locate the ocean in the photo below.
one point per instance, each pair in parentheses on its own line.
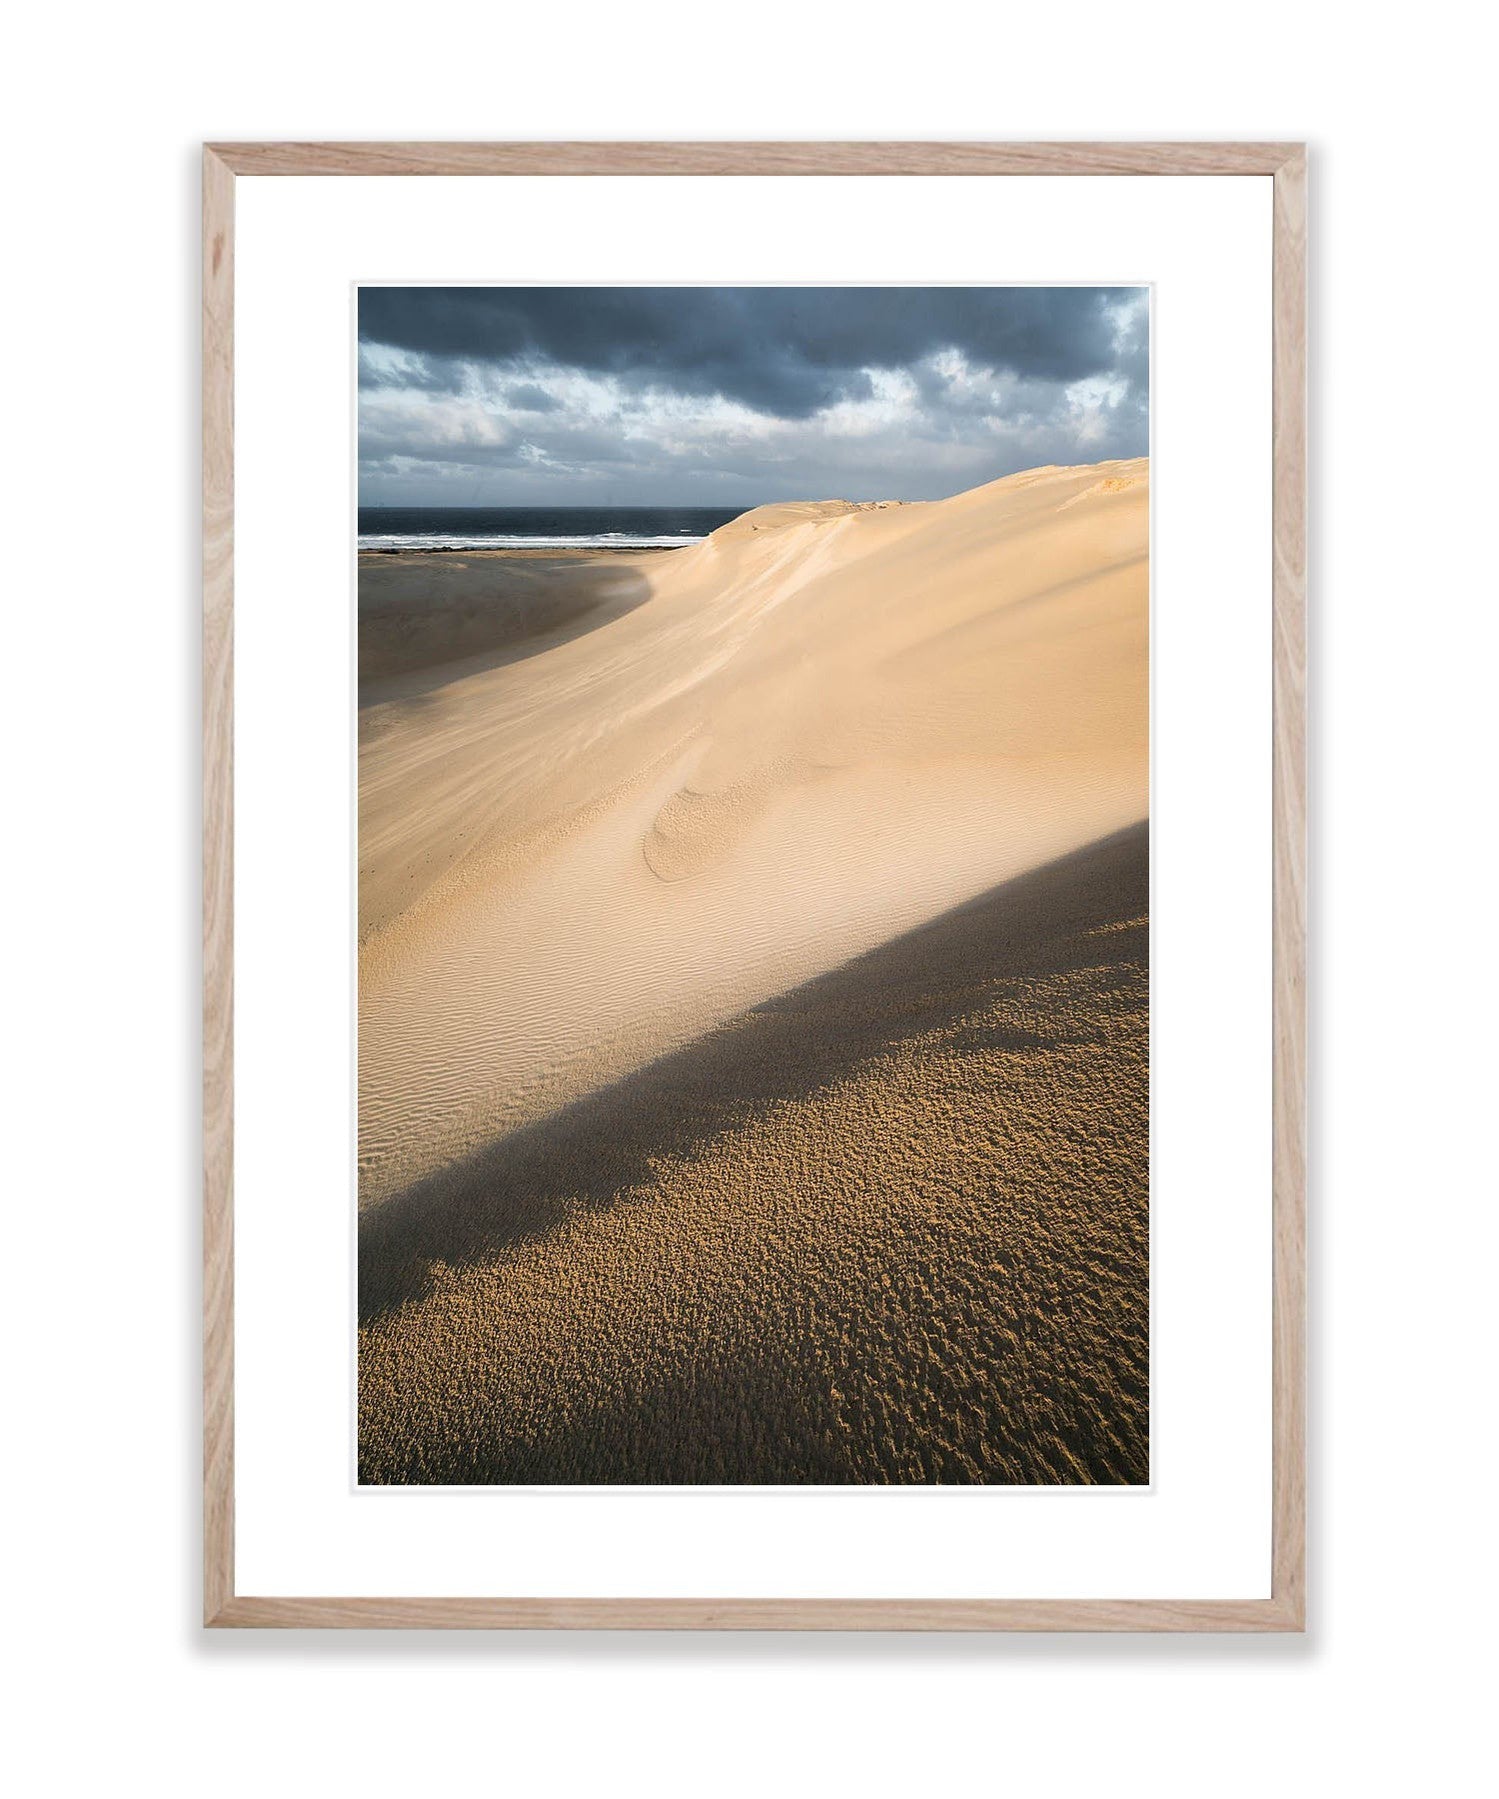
(538,527)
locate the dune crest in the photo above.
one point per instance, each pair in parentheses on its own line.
(826,725)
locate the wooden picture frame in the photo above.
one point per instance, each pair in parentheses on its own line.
(1285,163)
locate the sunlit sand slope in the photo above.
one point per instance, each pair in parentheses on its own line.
(890,1226)
(822,728)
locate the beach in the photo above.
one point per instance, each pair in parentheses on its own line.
(753,999)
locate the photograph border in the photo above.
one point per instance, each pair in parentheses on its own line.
(1285,1608)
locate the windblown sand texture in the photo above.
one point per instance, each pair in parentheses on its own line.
(753,1000)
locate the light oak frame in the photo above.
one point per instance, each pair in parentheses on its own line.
(1285,163)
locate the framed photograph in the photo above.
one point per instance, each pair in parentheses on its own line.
(754,804)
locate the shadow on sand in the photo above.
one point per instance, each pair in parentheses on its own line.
(606,1145)
(424,620)
(891,1226)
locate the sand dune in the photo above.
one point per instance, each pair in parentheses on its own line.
(891,1226)
(818,730)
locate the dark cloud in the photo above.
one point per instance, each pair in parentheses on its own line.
(790,352)
(642,396)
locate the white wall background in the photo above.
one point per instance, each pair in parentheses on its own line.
(112,1680)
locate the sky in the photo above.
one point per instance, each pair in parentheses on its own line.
(681,396)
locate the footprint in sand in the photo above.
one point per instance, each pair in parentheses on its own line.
(694,831)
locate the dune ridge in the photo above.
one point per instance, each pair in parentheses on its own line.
(823,727)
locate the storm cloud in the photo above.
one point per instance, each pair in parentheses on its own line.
(736,395)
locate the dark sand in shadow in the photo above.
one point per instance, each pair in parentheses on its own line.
(424,619)
(890,1227)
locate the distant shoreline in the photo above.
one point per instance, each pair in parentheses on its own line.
(558,552)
